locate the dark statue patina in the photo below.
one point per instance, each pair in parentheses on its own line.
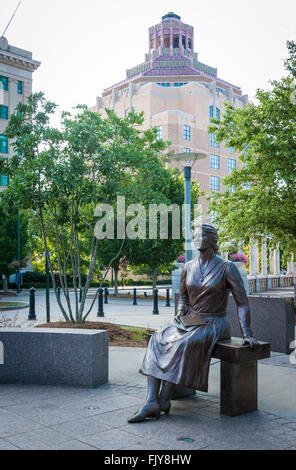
(181,353)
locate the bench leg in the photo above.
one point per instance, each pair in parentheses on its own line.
(239,387)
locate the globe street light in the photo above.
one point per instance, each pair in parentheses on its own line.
(189,159)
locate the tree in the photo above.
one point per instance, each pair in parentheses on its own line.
(8,239)
(156,255)
(62,175)
(261,199)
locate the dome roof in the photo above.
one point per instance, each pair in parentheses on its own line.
(171,14)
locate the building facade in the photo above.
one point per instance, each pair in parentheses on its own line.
(178,94)
(16,71)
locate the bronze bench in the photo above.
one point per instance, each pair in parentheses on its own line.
(238,376)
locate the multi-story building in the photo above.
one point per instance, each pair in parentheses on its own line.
(16,70)
(178,94)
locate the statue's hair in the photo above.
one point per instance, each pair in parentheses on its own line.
(213,235)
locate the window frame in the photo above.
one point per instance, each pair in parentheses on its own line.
(3,139)
(3,107)
(213,180)
(214,161)
(6,80)
(230,165)
(187,132)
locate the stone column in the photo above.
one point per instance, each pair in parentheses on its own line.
(291,266)
(180,40)
(264,259)
(254,259)
(271,261)
(277,266)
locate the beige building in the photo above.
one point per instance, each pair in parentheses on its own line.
(16,70)
(178,94)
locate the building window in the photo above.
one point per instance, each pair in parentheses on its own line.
(211,112)
(186,132)
(213,141)
(231,164)
(186,150)
(20,87)
(159,132)
(3,83)
(3,112)
(215,162)
(3,144)
(217,113)
(215,183)
(4,180)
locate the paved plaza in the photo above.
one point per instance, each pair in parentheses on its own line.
(49,417)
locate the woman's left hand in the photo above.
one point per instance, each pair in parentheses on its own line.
(251,341)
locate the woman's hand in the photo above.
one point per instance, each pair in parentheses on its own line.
(250,341)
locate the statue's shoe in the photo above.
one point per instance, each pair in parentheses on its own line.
(165,406)
(151,410)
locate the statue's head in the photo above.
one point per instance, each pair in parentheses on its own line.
(205,236)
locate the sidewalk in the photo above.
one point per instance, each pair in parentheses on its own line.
(43,417)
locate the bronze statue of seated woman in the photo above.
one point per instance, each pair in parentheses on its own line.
(181,353)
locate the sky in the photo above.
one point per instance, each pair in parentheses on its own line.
(86,46)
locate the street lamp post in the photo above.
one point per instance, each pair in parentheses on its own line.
(189,159)
(18,252)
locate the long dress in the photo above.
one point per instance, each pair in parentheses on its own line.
(181,355)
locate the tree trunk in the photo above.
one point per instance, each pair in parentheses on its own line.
(154,278)
(116,281)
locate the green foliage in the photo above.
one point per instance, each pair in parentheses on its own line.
(263,203)
(62,175)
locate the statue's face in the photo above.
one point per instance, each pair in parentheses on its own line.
(201,239)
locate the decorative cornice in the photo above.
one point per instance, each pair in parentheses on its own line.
(18,61)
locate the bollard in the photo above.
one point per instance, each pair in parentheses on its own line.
(100,304)
(106,293)
(155,302)
(32,314)
(168,298)
(135,297)
(80,295)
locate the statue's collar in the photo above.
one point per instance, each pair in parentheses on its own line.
(210,265)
